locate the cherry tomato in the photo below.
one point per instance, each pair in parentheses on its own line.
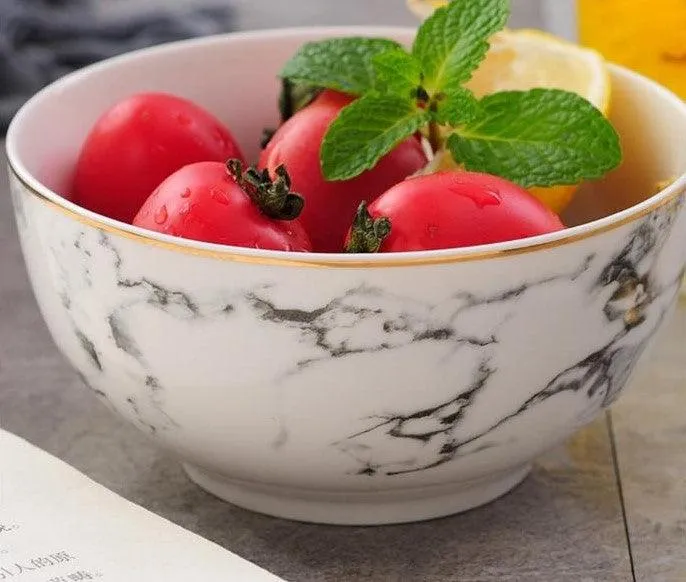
(329,206)
(138,143)
(448,210)
(221,203)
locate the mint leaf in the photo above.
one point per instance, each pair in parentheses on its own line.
(344,64)
(365,131)
(457,107)
(397,72)
(452,42)
(540,137)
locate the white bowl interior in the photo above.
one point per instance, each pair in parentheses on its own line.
(654,148)
(235,77)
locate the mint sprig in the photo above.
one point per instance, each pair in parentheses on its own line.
(541,137)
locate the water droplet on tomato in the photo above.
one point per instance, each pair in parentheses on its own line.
(220,196)
(493,195)
(161,215)
(218,134)
(183,119)
(186,193)
(432,230)
(482,197)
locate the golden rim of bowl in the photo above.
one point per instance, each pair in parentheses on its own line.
(669,195)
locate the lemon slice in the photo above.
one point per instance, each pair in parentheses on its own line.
(525,58)
(424,8)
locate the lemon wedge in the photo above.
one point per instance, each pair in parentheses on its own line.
(424,8)
(525,58)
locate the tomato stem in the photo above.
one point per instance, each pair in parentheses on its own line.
(434,136)
(267,135)
(422,96)
(435,140)
(294,97)
(272,196)
(367,233)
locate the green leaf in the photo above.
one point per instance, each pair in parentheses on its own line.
(397,72)
(456,108)
(452,42)
(541,137)
(344,64)
(365,131)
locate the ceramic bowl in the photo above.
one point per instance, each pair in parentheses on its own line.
(339,388)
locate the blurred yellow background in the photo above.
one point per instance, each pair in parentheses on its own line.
(648,36)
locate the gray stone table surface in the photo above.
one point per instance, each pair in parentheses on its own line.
(609,505)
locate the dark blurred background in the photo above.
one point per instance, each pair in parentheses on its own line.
(41,40)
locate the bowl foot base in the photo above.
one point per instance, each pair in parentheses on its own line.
(357,507)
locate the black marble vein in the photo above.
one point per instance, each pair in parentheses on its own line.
(90,386)
(424,425)
(159,296)
(395,330)
(88,347)
(140,418)
(122,338)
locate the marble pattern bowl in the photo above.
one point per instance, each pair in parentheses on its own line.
(334,388)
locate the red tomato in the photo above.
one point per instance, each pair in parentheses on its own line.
(138,143)
(208,201)
(449,210)
(330,206)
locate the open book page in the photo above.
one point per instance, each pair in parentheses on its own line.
(56,525)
